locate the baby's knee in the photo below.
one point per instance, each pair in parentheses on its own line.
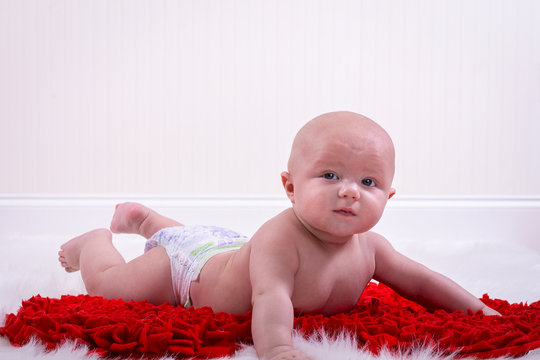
(102,284)
(102,234)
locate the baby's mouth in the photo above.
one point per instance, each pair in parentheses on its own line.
(345,212)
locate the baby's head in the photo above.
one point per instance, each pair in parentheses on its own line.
(340,174)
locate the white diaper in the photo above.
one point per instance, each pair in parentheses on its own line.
(189,248)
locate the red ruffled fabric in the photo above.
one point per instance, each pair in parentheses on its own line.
(380,319)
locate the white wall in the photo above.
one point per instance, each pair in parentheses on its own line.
(204,97)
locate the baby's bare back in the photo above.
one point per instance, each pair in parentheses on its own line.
(328,279)
(223,283)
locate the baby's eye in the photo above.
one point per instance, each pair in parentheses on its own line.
(368,182)
(330,176)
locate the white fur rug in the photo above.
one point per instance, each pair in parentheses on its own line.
(505,271)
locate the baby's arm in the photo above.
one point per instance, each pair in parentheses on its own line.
(273,264)
(420,284)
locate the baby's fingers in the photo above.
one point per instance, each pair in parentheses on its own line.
(489,311)
(291,355)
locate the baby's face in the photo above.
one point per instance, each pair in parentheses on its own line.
(341,182)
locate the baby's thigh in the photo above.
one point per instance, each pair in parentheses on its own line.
(147,277)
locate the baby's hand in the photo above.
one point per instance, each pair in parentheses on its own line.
(289,355)
(489,311)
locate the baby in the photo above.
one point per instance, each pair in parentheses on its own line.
(315,257)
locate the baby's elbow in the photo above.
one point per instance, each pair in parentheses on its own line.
(261,294)
(256,295)
(269,296)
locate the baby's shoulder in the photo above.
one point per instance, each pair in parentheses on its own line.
(282,228)
(372,240)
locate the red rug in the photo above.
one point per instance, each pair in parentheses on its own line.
(380,319)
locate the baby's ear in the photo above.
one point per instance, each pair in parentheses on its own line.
(286,180)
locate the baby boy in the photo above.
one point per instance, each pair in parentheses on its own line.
(315,257)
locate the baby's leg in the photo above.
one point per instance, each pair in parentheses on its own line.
(134,218)
(105,272)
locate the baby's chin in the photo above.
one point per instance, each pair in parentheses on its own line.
(349,233)
(346,230)
(331,231)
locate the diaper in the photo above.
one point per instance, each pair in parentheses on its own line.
(189,248)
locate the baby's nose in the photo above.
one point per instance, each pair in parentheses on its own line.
(349,190)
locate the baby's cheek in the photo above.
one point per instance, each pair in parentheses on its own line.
(374,216)
(310,213)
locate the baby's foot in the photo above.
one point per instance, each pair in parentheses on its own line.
(128,218)
(70,252)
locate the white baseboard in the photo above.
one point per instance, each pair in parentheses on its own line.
(507,219)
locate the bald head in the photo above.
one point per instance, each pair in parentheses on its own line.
(350,127)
